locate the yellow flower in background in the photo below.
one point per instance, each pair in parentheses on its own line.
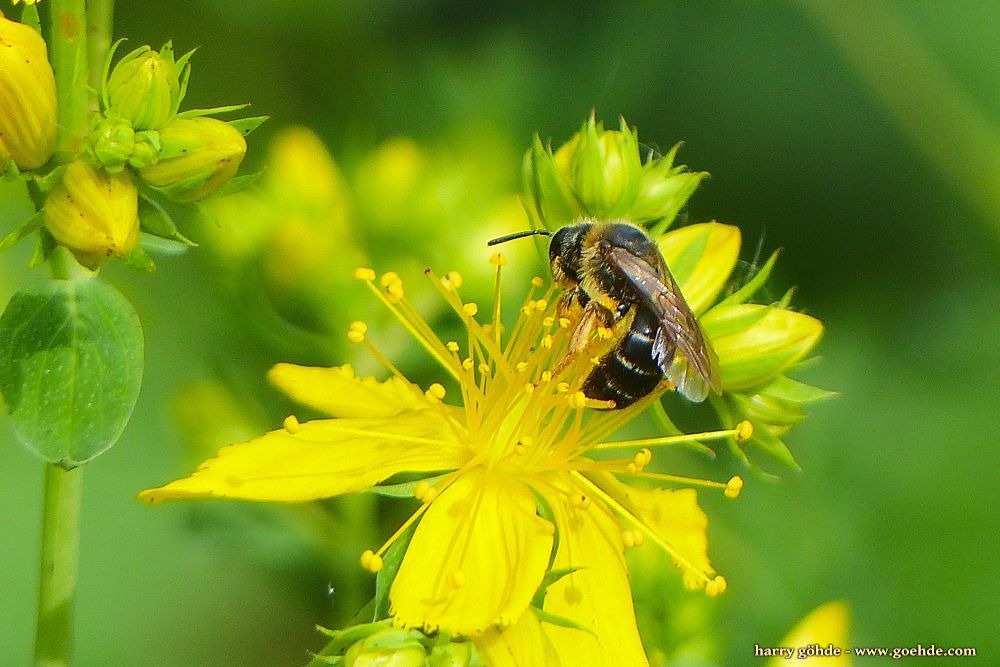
(525,478)
(827,624)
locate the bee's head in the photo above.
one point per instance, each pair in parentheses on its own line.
(566,252)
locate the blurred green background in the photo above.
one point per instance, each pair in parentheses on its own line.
(862,137)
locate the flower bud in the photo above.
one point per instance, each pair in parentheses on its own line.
(755,343)
(144,88)
(27,96)
(93,213)
(604,169)
(455,654)
(198,156)
(113,141)
(392,647)
(146,150)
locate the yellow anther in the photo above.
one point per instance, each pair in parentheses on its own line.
(580,501)
(467,363)
(734,486)
(578,400)
(452,280)
(546,376)
(456,579)
(548,321)
(564,322)
(484,368)
(562,387)
(547,342)
(744,431)
(358,325)
(631,469)
(389,278)
(604,333)
(541,304)
(498,259)
(371,561)
(452,346)
(420,489)
(520,366)
(520,449)
(537,281)
(292,424)
(529,388)
(716,586)
(364,273)
(526,308)
(395,289)
(628,538)
(470,309)
(642,458)
(435,392)
(356,336)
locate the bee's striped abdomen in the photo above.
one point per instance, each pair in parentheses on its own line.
(628,372)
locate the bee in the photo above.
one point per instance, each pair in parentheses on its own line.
(610,271)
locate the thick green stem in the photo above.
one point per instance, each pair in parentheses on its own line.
(59,565)
(99,21)
(68,52)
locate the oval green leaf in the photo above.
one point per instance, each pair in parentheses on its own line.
(70,367)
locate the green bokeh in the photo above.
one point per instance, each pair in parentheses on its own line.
(888,247)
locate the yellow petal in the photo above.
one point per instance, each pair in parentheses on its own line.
(827,624)
(476,559)
(700,258)
(597,596)
(524,643)
(774,340)
(338,393)
(322,458)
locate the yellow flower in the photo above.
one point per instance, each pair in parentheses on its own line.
(27,96)
(519,478)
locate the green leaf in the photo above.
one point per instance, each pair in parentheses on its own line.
(70,367)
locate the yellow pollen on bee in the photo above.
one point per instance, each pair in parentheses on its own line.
(562,388)
(546,376)
(520,366)
(734,486)
(604,333)
(716,586)
(578,400)
(581,501)
(564,322)
(498,259)
(467,363)
(291,424)
(435,392)
(470,309)
(456,579)
(452,346)
(547,342)
(744,431)
(364,273)
(371,561)
(595,360)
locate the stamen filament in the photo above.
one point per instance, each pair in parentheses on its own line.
(668,440)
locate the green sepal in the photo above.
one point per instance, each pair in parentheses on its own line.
(720,321)
(247,125)
(29,17)
(403,489)
(787,389)
(239,183)
(10,171)
(229,108)
(106,73)
(181,187)
(544,510)
(746,292)
(23,230)
(157,245)
(46,182)
(391,562)
(341,640)
(551,577)
(71,356)
(561,621)
(138,259)
(43,249)
(156,220)
(183,65)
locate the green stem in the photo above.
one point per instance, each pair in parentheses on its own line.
(68,51)
(99,21)
(59,565)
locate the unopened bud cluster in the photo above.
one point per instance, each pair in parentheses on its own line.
(378,644)
(603,174)
(139,141)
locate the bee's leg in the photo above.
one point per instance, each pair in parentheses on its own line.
(581,335)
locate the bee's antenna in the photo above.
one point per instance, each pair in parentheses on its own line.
(519,235)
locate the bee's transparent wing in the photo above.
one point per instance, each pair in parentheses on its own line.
(680,348)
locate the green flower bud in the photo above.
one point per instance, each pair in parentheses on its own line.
(392,647)
(146,150)
(113,141)
(779,404)
(27,97)
(600,173)
(198,156)
(144,87)
(755,343)
(93,213)
(456,654)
